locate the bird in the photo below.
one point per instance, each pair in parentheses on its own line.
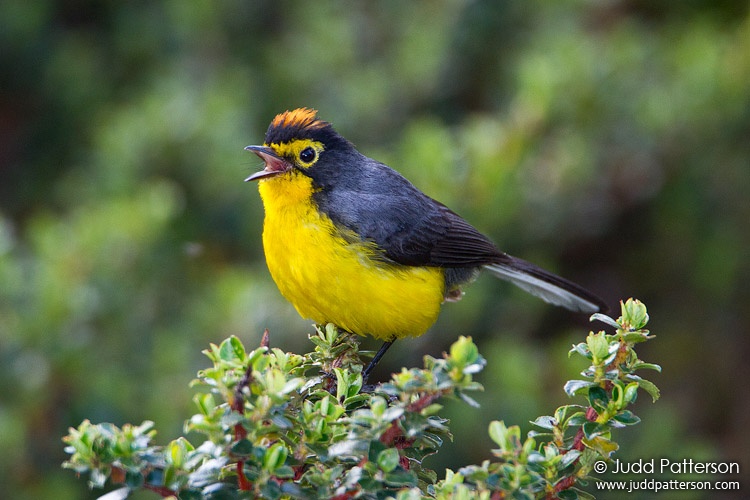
(350,241)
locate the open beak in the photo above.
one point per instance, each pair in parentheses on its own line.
(275,165)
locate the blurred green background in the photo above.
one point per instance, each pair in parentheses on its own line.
(607,141)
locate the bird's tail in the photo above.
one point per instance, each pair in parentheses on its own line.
(547,286)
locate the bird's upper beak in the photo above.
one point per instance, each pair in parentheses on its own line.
(275,165)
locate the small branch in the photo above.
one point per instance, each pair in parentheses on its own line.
(390,434)
(160,490)
(424,401)
(578,439)
(238,405)
(118,477)
(562,484)
(569,481)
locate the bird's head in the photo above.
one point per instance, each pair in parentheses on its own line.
(297,142)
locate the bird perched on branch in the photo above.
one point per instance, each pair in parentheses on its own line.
(350,241)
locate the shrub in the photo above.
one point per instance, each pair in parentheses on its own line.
(283,425)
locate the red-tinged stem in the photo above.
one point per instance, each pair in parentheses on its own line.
(238,405)
(344,496)
(118,477)
(423,402)
(391,434)
(242,481)
(160,490)
(570,481)
(578,439)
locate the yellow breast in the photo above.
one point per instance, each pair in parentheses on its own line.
(331,279)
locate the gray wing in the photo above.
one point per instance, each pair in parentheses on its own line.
(413,229)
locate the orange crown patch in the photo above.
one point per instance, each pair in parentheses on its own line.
(298,118)
(301,123)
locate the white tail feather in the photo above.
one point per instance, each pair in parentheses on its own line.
(545,290)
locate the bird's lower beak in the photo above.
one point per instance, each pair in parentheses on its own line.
(275,165)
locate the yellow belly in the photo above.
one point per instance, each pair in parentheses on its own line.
(330,279)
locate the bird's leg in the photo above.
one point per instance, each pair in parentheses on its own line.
(375,359)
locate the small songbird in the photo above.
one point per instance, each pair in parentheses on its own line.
(350,241)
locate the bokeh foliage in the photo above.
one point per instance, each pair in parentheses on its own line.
(607,141)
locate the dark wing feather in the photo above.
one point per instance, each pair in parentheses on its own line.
(408,226)
(412,229)
(461,245)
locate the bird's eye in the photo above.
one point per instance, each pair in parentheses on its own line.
(308,155)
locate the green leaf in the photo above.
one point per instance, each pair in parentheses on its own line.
(604,319)
(573,387)
(190,495)
(432,409)
(598,345)
(598,398)
(640,365)
(232,349)
(565,413)
(331,333)
(647,386)
(601,445)
(275,457)
(176,452)
(631,393)
(388,459)
(349,448)
(401,479)
(576,420)
(292,385)
(582,349)
(635,337)
(568,494)
(469,400)
(410,494)
(205,402)
(568,458)
(627,417)
(284,472)
(634,314)
(464,352)
(545,422)
(593,429)
(505,437)
(243,448)
(270,490)
(169,475)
